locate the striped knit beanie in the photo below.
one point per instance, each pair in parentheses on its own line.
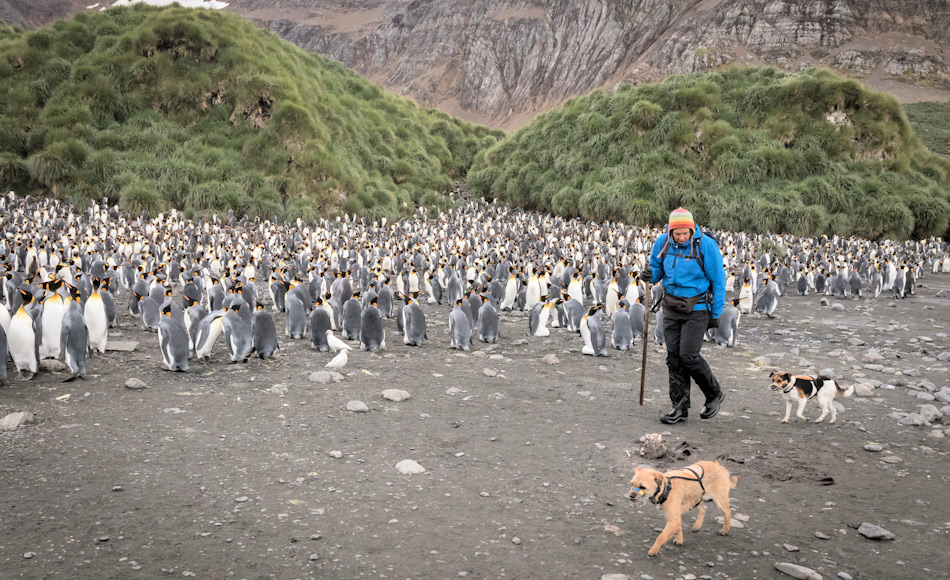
(681,218)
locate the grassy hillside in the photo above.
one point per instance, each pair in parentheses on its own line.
(931,122)
(201,110)
(744,149)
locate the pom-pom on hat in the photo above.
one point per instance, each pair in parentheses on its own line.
(681,218)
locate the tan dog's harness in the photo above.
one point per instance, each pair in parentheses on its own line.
(661,496)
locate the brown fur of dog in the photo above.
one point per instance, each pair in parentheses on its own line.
(684,495)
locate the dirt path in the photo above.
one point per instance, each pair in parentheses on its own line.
(211,475)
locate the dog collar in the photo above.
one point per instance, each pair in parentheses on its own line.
(660,495)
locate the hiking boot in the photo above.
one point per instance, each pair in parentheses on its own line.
(711,409)
(674,416)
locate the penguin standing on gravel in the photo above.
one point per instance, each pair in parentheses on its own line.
(592,331)
(413,322)
(296,320)
(74,338)
(622,334)
(488,321)
(22,339)
(538,318)
(728,330)
(96,321)
(745,298)
(319,325)
(460,329)
(172,342)
(54,308)
(350,317)
(237,334)
(265,333)
(209,329)
(372,334)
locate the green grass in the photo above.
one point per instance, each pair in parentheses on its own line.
(744,149)
(202,111)
(931,122)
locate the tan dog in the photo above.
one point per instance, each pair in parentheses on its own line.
(683,490)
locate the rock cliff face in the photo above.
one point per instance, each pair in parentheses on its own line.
(502,61)
(499,62)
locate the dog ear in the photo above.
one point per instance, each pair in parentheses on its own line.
(636,470)
(787,376)
(772,374)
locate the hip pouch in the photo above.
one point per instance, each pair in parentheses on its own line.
(681,305)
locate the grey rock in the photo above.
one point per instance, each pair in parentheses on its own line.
(336,454)
(805,363)
(930,413)
(356,407)
(874,367)
(278,389)
(653,446)
(913,420)
(874,532)
(844,576)
(397,395)
(796,571)
(551,359)
(838,307)
(863,390)
(325,377)
(827,372)
(12,421)
(489,372)
(614,577)
(926,397)
(856,342)
(135,384)
(409,467)
(927,386)
(874,448)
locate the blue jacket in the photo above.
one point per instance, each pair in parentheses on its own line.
(682,276)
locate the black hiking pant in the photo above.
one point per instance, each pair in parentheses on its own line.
(684,338)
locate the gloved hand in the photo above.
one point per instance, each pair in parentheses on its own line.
(713,323)
(646,274)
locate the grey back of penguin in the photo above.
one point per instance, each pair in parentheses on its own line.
(622,333)
(296,316)
(173,343)
(598,338)
(351,318)
(265,335)
(319,325)
(460,329)
(488,323)
(414,325)
(237,333)
(372,335)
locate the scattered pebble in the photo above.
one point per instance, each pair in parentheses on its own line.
(409,467)
(135,384)
(397,395)
(796,571)
(551,359)
(335,454)
(356,407)
(874,532)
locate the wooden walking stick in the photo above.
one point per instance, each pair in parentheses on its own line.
(646,334)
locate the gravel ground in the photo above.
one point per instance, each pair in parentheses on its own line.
(253,471)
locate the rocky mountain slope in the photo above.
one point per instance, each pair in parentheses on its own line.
(499,62)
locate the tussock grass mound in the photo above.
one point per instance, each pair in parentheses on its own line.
(931,122)
(201,110)
(749,149)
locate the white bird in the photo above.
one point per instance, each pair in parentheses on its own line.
(338,362)
(335,343)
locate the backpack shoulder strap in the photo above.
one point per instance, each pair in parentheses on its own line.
(697,251)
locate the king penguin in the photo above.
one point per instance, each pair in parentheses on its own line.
(237,333)
(351,317)
(4,351)
(658,333)
(745,298)
(74,339)
(96,321)
(728,330)
(21,340)
(209,329)
(54,308)
(319,325)
(173,342)
(372,334)
(488,321)
(265,333)
(460,329)
(592,331)
(622,334)
(296,321)
(414,322)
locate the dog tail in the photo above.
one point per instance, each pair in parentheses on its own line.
(845,392)
(733,481)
